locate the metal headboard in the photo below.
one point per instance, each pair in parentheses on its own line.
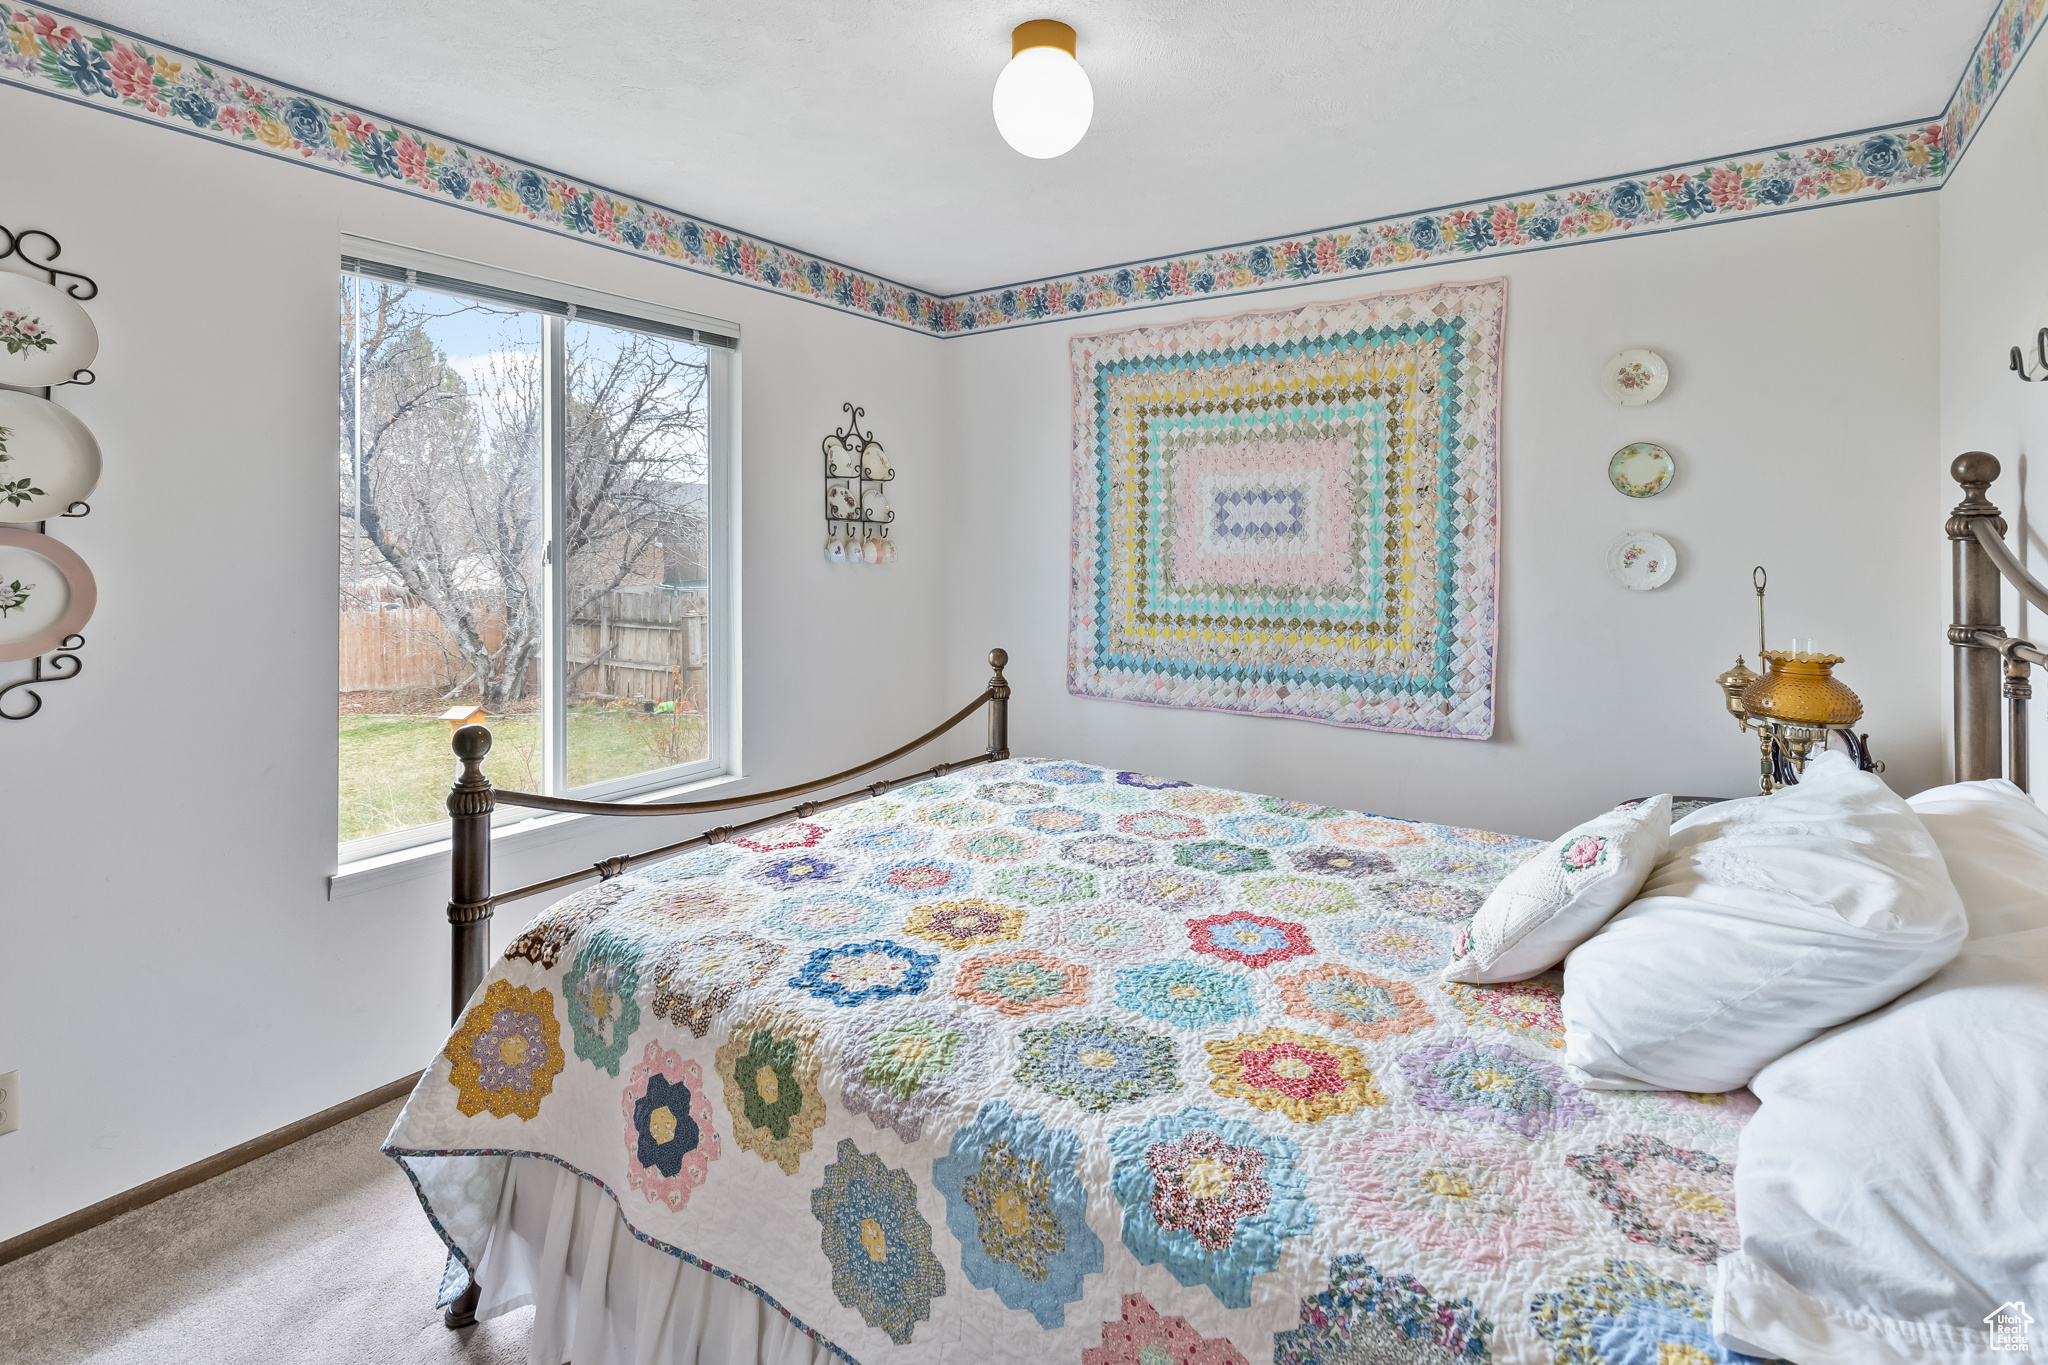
(1989,664)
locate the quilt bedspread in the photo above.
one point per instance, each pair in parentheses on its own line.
(1045,1062)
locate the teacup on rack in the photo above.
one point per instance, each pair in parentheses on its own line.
(835,550)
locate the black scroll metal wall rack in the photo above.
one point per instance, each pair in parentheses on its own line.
(39,250)
(857,511)
(2017,362)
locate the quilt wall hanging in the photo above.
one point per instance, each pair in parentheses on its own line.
(1294,513)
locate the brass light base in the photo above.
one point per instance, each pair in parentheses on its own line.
(1795,742)
(1042,33)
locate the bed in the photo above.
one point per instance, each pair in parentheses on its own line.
(1026,1059)
(896,1069)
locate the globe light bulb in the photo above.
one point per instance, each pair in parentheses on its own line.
(1043,101)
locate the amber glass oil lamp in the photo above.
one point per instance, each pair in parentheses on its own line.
(1793,704)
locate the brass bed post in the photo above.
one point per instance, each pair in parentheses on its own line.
(1978,670)
(998,706)
(470,802)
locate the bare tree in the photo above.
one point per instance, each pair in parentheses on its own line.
(636,449)
(441,470)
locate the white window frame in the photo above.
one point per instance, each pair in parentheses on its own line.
(722,681)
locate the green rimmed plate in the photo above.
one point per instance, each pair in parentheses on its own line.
(1641,470)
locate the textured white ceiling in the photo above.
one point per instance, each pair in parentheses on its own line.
(861,131)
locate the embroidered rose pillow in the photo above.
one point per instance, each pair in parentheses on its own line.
(1560,898)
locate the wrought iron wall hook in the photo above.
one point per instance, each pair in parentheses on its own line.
(2018,365)
(857,517)
(82,287)
(852,432)
(39,250)
(61,656)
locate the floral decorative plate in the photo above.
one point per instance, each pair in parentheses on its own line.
(1633,378)
(1642,560)
(46,594)
(48,458)
(45,337)
(1641,470)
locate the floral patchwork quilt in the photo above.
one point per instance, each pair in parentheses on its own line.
(1046,1062)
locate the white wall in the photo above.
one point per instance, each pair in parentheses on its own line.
(1802,414)
(173,980)
(1994,295)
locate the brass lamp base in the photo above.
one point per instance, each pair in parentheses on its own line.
(1782,744)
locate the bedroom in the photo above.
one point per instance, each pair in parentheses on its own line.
(174,871)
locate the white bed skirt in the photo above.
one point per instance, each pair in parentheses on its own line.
(603,1297)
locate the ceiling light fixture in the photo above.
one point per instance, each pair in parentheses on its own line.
(1043,101)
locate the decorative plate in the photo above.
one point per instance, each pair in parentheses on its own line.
(1641,470)
(48,458)
(1642,560)
(1633,378)
(45,337)
(46,594)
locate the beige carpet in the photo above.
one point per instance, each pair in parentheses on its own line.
(315,1253)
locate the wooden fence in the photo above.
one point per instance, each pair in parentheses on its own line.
(644,643)
(403,650)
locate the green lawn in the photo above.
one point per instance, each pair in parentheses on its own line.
(395,770)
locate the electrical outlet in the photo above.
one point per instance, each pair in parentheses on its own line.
(10,1101)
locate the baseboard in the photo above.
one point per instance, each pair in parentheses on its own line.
(35,1239)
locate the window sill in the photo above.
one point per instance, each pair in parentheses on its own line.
(412,864)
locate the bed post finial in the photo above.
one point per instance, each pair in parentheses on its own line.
(1976,471)
(1978,671)
(999,705)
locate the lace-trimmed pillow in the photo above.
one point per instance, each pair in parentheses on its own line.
(1560,898)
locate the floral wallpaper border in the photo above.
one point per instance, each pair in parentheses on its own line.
(61,54)
(58,53)
(2007,36)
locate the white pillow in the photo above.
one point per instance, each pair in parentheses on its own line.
(1769,920)
(1995,842)
(1558,899)
(1891,1186)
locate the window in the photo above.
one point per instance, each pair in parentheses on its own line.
(531,522)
